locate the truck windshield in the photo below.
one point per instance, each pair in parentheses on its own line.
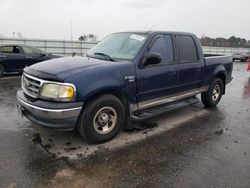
(118,46)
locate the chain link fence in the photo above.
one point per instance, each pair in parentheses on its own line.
(223,50)
(65,47)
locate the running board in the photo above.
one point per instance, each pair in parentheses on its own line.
(149,113)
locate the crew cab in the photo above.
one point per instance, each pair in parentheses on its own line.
(14,58)
(125,77)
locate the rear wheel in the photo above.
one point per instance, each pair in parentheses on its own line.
(102,119)
(213,96)
(1,71)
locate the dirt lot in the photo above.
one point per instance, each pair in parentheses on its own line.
(190,147)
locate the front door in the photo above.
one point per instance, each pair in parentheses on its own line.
(155,83)
(34,55)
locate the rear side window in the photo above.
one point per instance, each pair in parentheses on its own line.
(9,49)
(187,48)
(164,46)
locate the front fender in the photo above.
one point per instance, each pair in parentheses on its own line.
(112,79)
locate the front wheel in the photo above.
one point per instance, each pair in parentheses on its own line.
(213,96)
(102,119)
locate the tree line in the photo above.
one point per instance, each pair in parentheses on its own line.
(223,42)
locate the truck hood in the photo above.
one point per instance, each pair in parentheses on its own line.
(61,68)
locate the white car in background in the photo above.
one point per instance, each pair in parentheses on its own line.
(244,56)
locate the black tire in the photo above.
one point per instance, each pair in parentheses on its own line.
(210,98)
(1,71)
(97,112)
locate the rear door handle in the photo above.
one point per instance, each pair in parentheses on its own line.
(198,68)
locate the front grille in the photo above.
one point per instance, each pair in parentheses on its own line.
(31,85)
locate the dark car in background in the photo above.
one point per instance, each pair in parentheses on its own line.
(14,58)
(244,56)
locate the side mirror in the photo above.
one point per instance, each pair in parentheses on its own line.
(153,58)
(43,54)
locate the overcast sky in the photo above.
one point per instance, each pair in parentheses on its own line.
(50,19)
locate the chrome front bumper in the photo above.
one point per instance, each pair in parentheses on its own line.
(49,114)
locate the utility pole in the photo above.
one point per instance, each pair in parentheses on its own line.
(71,32)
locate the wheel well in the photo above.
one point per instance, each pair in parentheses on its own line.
(119,95)
(223,78)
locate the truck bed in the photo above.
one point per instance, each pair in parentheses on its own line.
(225,63)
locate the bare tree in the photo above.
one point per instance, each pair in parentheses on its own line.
(88,38)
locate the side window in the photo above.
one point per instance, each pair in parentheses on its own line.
(9,49)
(30,50)
(164,46)
(187,48)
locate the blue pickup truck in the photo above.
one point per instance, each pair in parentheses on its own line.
(125,77)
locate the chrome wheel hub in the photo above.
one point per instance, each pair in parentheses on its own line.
(216,92)
(105,120)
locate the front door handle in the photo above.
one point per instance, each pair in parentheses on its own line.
(171,72)
(28,57)
(2,56)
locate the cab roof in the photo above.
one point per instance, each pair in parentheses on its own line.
(159,32)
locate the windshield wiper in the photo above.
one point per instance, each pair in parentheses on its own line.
(105,55)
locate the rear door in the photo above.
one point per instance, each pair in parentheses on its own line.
(34,55)
(156,82)
(12,58)
(190,65)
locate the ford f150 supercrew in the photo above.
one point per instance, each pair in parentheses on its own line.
(125,77)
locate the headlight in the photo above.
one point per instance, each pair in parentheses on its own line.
(57,91)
